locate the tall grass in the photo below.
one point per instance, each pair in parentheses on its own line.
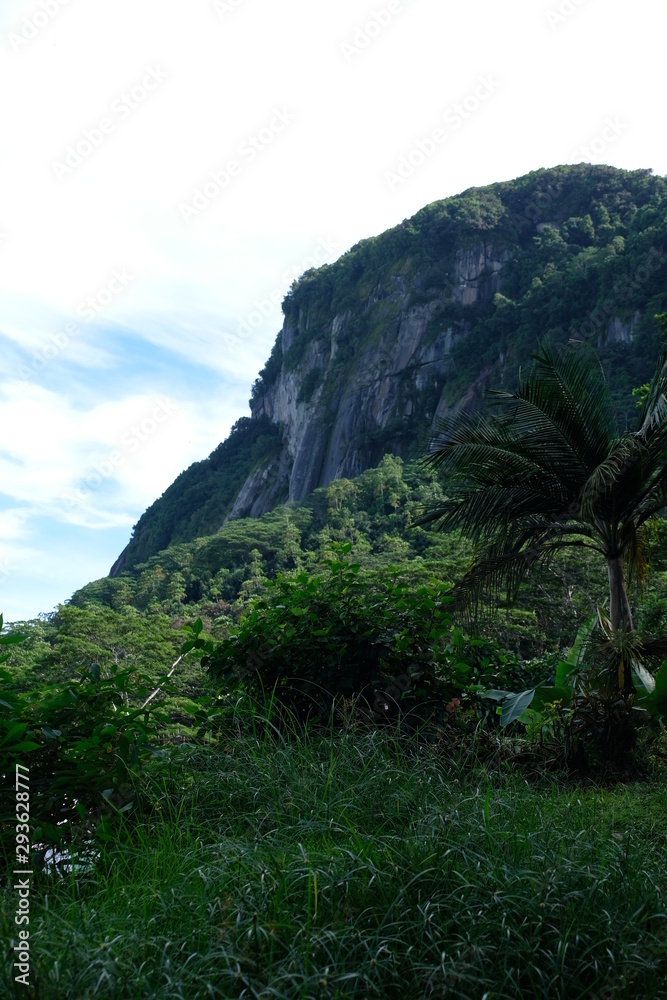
(360,865)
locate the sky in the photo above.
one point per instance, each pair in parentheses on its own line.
(169,168)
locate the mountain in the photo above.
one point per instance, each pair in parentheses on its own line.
(414,323)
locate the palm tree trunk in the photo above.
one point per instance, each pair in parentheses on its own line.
(620,616)
(619,606)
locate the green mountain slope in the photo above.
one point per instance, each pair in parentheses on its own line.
(410,324)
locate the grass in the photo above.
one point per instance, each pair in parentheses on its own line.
(356,865)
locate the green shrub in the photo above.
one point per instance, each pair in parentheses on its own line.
(312,641)
(81,745)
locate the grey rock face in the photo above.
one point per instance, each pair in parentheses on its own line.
(265,488)
(399,365)
(622,332)
(477,273)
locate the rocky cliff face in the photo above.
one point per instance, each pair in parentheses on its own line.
(408,326)
(368,407)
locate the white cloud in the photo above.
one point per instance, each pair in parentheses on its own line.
(95,466)
(13,524)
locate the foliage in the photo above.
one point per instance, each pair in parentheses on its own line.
(553,471)
(561,689)
(110,637)
(315,640)
(580,706)
(377,514)
(83,745)
(357,865)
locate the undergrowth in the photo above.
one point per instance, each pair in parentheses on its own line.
(357,864)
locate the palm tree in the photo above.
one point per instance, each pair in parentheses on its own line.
(552,471)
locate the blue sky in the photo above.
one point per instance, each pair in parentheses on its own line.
(169,168)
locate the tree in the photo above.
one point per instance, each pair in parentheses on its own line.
(109,638)
(290,553)
(176,588)
(551,471)
(254,581)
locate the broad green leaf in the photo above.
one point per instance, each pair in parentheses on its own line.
(582,637)
(655,702)
(7,640)
(496,695)
(562,671)
(514,706)
(16,730)
(645,677)
(50,831)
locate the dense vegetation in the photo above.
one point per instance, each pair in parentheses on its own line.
(132,619)
(350,867)
(392,848)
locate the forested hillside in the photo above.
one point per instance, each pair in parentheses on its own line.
(413,323)
(135,619)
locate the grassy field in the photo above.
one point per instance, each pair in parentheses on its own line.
(358,865)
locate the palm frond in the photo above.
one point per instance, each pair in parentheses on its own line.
(551,470)
(610,647)
(602,486)
(503,563)
(571,392)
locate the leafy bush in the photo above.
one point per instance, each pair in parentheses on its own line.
(580,706)
(316,640)
(82,744)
